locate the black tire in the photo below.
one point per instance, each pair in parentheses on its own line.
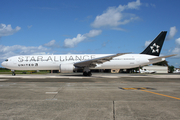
(13,74)
(89,74)
(85,73)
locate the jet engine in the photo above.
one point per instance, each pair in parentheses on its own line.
(66,68)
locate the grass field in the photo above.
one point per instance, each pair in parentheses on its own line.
(8,71)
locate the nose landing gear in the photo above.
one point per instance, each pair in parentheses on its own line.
(13,72)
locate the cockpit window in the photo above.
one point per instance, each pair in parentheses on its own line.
(6,60)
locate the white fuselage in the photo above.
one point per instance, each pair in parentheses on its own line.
(52,62)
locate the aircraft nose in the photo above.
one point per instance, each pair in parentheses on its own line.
(3,64)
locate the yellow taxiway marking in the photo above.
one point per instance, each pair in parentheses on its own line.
(161,94)
(146,90)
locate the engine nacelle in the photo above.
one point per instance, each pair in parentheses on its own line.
(66,68)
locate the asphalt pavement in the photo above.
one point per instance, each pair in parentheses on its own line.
(100,97)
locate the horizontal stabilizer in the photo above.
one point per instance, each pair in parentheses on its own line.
(162,57)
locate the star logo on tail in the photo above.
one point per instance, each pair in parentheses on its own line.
(155,48)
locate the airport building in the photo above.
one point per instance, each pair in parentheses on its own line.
(156,68)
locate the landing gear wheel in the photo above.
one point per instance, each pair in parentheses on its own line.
(13,74)
(87,73)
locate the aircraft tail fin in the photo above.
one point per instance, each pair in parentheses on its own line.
(155,46)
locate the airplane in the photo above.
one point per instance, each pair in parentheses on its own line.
(70,62)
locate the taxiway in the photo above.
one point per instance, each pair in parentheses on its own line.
(100,97)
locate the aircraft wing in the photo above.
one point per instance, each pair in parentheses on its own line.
(162,57)
(94,62)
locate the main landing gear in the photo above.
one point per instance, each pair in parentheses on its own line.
(86,71)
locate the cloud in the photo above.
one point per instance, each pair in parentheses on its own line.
(8,51)
(178,41)
(147,43)
(29,26)
(113,16)
(93,33)
(176,50)
(70,43)
(172,33)
(133,5)
(7,30)
(52,43)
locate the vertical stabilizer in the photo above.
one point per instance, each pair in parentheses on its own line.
(155,46)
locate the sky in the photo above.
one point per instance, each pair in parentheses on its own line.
(39,27)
